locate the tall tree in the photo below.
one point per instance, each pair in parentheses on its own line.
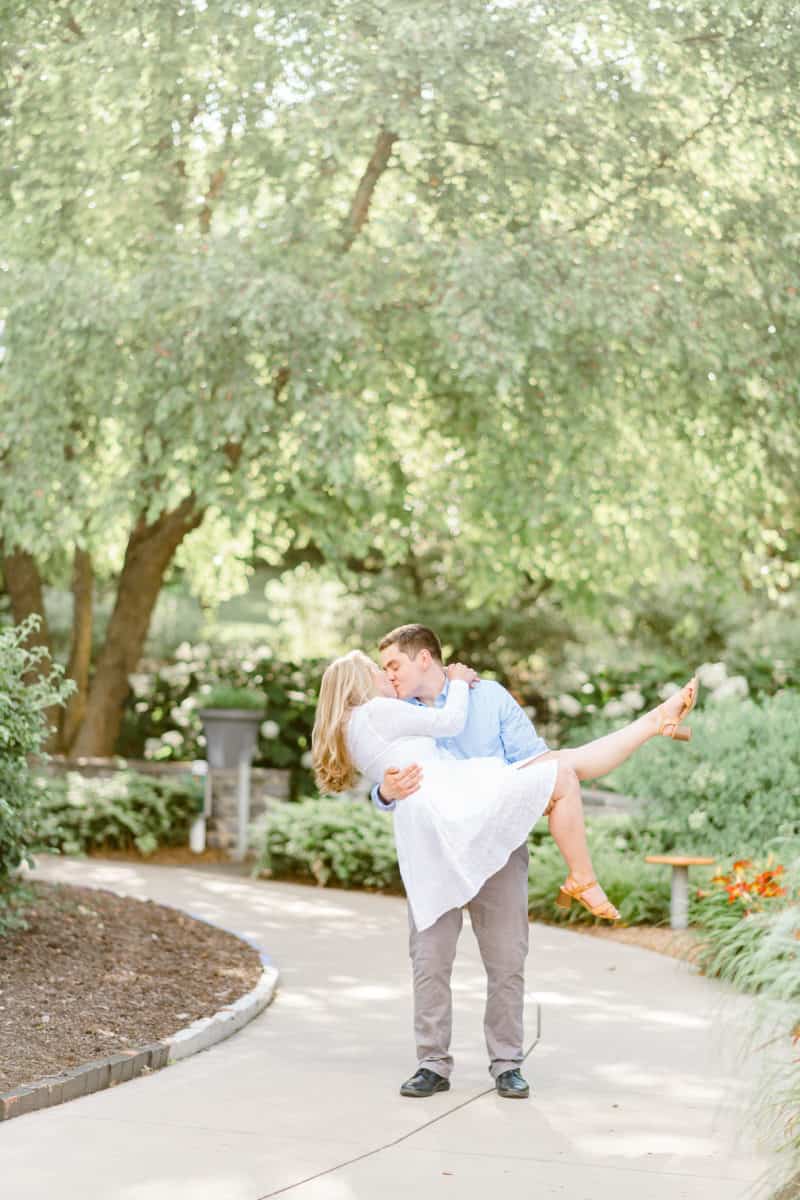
(481,276)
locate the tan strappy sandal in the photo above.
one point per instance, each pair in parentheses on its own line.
(681,735)
(567,893)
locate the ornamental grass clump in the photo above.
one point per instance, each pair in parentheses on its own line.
(749,916)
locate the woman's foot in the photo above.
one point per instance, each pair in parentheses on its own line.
(669,715)
(588,893)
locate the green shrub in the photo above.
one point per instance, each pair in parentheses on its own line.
(233,697)
(351,844)
(75,813)
(733,790)
(343,842)
(23,731)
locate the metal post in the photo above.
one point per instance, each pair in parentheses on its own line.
(679,898)
(197,830)
(244,806)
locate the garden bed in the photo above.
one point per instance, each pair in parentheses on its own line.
(96,974)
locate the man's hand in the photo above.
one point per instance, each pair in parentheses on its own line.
(399,785)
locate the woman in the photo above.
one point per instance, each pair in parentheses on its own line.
(467,817)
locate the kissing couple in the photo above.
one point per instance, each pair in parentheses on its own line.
(464,772)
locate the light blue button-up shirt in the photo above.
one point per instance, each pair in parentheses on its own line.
(496,728)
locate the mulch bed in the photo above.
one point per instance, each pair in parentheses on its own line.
(96,973)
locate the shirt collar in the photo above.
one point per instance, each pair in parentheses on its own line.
(440,700)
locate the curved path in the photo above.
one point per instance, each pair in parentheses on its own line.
(640,1084)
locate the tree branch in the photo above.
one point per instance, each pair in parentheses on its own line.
(359,209)
(665,157)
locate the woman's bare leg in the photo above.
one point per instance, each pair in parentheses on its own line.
(565,811)
(569,832)
(597,758)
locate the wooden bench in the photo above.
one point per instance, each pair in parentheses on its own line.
(679,892)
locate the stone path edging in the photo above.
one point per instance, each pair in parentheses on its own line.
(128,1064)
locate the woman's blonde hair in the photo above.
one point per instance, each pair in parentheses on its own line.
(348,681)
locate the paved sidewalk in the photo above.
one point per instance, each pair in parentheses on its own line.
(640,1083)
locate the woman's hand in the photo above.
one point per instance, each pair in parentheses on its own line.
(460,671)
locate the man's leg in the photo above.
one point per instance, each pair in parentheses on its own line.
(432,954)
(499,916)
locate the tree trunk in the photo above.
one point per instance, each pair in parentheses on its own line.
(149,552)
(81,651)
(24,585)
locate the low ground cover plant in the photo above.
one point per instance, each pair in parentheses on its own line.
(340,842)
(74,813)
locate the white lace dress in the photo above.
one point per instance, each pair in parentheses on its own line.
(468,815)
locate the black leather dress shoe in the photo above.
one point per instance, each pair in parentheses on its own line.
(511,1085)
(425,1083)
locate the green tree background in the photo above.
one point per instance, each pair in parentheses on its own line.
(484,314)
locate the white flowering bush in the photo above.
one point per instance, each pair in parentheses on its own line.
(161,718)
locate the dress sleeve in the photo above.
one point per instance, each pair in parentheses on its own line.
(397,718)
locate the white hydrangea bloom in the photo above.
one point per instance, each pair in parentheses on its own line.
(735,688)
(698,818)
(632,699)
(178,673)
(306,760)
(712,675)
(152,747)
(140,684)
(669,689)
(615,708)
(269,729)
(184,651)
(172,738)
(569,705)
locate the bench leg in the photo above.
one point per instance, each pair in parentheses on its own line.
(679,898)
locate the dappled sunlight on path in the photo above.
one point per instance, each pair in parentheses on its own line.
(636,1081)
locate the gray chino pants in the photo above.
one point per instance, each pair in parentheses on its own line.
(499,915)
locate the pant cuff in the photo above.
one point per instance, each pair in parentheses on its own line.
(433,1064)
(497,1068)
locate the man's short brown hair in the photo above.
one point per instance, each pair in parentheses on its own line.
(413,638)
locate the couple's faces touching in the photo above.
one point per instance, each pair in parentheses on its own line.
(405,675)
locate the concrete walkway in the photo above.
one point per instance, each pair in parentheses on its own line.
(640,1086)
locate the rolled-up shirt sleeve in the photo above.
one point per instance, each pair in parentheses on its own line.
(381,805)
(517,732)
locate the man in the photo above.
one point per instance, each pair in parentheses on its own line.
(496,727)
